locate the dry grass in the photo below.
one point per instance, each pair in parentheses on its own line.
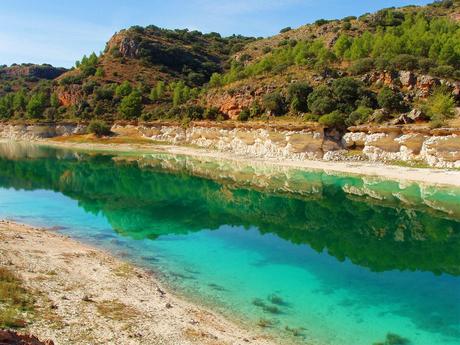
(92,139)
(124,270)
(17,304)
(116,310)
(411,164)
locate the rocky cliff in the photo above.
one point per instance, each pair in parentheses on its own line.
(436,148)
(433,147)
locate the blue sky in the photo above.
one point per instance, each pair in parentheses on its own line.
(60,31)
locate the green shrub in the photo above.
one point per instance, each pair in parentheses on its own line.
(321,22)
(105,92)
(244,115)
(6,106)
(347,92)
(266,50)
(362,66)
(37,105)
(89,87)
(346,26)
(193,112)
(359,116)
(71,79)
(298,96)
(390,100)
(441,106)
(426,64)
(255,109)
(282,31)
(382,63)
(99,128)
(124,89)
(312,117)
(274,103)
(321,101)
(443,71)
(100,72)
(336,119)
(130,106)
(211,113)
(405,62)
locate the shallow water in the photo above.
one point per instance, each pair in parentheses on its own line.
(330,259)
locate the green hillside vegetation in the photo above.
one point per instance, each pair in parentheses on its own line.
(152,73)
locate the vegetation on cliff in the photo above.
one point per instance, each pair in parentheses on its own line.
(335,72)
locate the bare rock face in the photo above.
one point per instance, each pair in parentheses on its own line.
(426,84)
(387,78)
(456,91)
(411,142)
(442,151)
(415,115)
(353,140)
(14,338)
(408,79)
(232,102)
(418,86)
(70,95)
(36,132)
(129,48)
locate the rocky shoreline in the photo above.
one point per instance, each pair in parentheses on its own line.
(439,148)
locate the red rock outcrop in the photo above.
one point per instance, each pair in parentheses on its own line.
(69,95)
(14,338)
(232,102)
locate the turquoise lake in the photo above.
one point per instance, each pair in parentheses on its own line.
(318,257)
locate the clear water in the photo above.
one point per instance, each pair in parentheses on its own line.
(340,259)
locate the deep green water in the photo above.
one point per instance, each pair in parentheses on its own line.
(344,260)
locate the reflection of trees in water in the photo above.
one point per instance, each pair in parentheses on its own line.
(375,224)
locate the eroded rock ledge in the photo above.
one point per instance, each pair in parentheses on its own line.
(435,147)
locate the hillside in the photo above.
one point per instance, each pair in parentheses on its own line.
(398,65)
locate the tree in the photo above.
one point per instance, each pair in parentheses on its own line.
(131,106)
(347,91)
(99,128)
(359,116)
(335,119)
(54,101)
(99,72)
(441,106)
(36,105)
(6,106)
(361,66)
(216,80)
(390,100)
(342,44)
(298,96)
(124,89)
(321,101)
(274,103)
(158,91)
(19,101)
(244,115)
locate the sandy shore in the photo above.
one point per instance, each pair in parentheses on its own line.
(420,175)
(85,296)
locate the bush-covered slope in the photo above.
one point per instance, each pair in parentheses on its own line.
(340,73)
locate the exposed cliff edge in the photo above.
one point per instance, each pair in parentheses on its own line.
(431,147)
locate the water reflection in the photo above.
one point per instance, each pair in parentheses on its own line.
(378,224)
